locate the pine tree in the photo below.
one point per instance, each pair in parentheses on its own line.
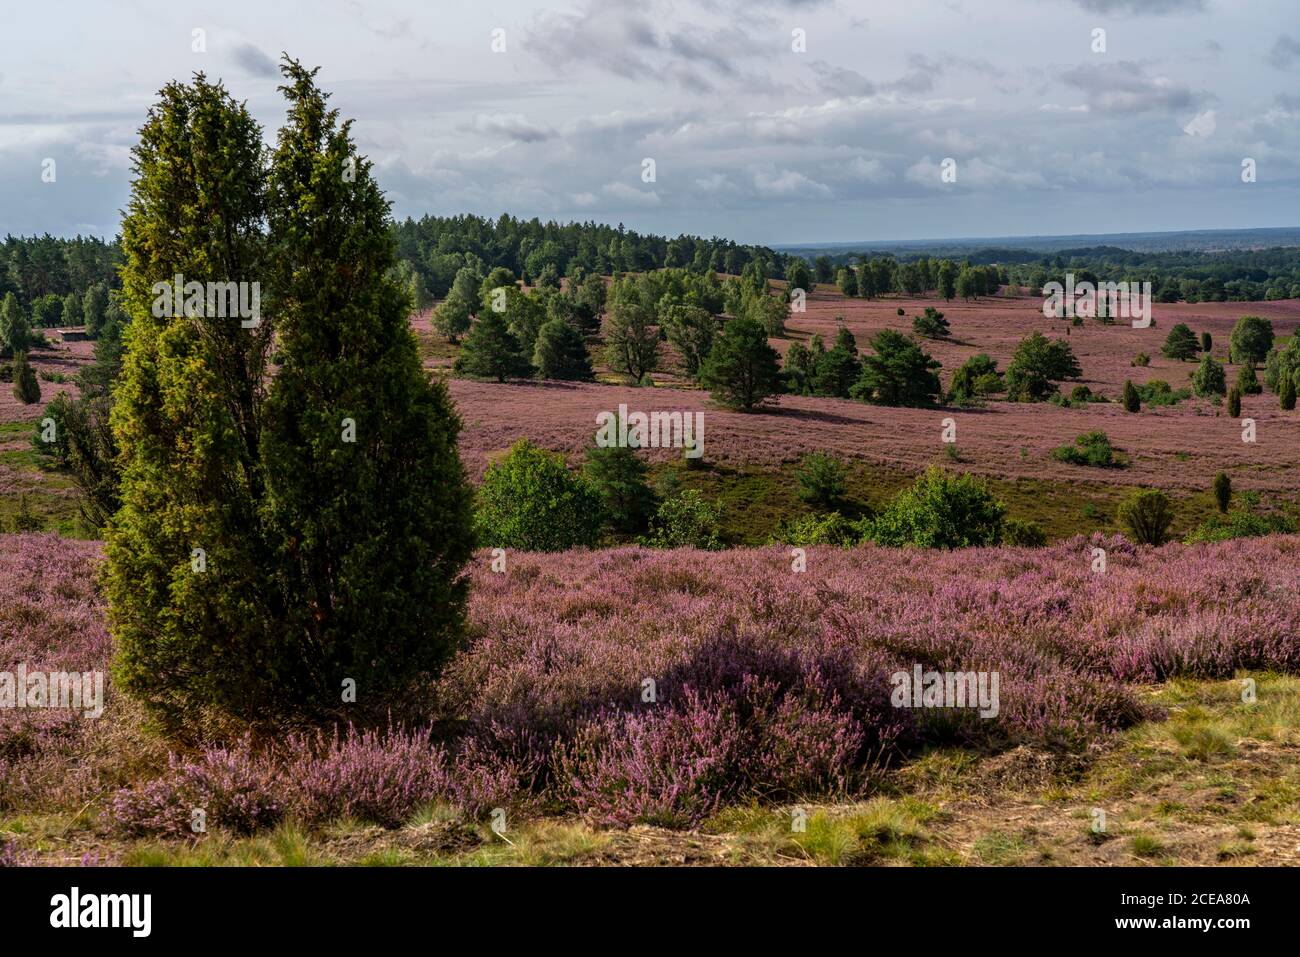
(561,353)
(1180,343)
(27,389)
(742,371)
(491,351)
(15,334)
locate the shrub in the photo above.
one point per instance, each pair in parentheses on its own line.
(1132,403)
(529,500)
(899,372)
(1158,392)
(830,528)
(940,511)
(617,475)
(1037,365)
(1206,341)
(742,371)
(1286,394)
(1209,379)
(1222,491)
(1091,448)
(27,388)
(491,351)
(1242,522)
(1247,381)
(931,325)
(454,316)
(1147,514)
(561,353)
(1252,338)
(821,481)
(1180,344)
(1234,402)
(1017,531)
(977,376)
(686,521)
(1141,359)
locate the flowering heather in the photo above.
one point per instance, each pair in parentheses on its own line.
(763,683)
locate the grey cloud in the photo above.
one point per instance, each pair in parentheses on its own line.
(1125,87)
(253,61)
(1285,52)
(1155,7)
(512,126)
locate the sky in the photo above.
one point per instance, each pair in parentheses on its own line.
(766,121)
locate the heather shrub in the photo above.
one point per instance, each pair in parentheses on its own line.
(821,481)
(940,511)
(529,500)
(1147,514)
(687,520)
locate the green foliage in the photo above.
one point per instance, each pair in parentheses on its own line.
(691,330)
(618,477)
(940,511)
(1158,392)
(1244,521)
(804,531)
(931,325)
(1147,514)
(561,353)
(1207,342)
(686,520)
(529,500)
(1286,394)
(947,279)
(1247,381)
(1141,359)
(821,479)
(1090,448)
(1234,402)
(94,307)
(1222,491)
(27,389)
(261,558)
(1252,338)
(1283,363)
(976,377)
(836,371)
(1017,531)
(491,351)
(1037,365)
(1180,344)
(742,371)
(847,280)
(898,373)
(452,318)
(1132,402)
(631,337)
(15,334)
(1209,379)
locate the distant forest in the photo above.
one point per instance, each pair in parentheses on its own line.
(46,273)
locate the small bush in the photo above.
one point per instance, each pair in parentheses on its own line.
(1141,359)
(1234,402)
(686,521)
(1132,401)
(529,500)
(826,529)
(1222,491)
(1147,514)
(940,511)
(1017,531)
(1091,448)
(821,481)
